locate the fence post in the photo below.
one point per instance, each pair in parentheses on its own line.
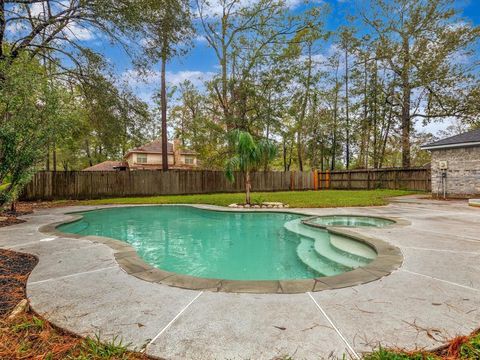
(315,180)
(327,180)
(368,179)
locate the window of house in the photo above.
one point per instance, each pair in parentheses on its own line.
(189,160)
(141,158)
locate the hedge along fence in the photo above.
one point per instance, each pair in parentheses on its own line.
(81,185)
(49,185)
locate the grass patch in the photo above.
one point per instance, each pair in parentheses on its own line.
(462,348)
(385,354)
(471,348)
(297,199)
(30,337)
(93,347)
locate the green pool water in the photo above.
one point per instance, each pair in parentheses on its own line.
(225,245)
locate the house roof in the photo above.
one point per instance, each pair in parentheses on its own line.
(107,166)
(470,138)
(155,147)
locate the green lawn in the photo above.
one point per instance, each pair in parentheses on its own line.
(300,199)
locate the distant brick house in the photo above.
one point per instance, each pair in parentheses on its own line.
(108,166)
(149,157)
(456,165)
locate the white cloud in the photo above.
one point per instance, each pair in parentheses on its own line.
(198,78)
(74,31)
(292,4)
(37,9)
(145,85)
(145,42)
(434,127)
(200,39)
(15,28)
(136,78)
(214,8)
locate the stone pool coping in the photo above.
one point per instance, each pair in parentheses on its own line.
(389,258)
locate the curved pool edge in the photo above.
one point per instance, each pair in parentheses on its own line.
(389,258)
(395,222)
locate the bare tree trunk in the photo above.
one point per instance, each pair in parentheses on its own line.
(334,138)
(89,155)
(247,187)
(2,30)
(347,111)
(375,115)
(163,105)
(265,167)
(299,151)
(322,156)
(290,156)
(335,121)
(385,137)
(304,110)
(406,98)
(47,160)
(364,135)
(54,156)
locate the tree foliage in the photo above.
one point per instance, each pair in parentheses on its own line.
(54,90)
(249,154)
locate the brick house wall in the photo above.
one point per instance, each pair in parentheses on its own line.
(463,171)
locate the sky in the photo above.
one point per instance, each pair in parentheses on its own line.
(200,63)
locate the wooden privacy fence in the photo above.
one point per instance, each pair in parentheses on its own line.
(78,185)
(418,179)
(49,185)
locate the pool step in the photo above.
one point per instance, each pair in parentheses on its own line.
(362,251)
(309,257)
(325,248)
(337,257)
(298,228)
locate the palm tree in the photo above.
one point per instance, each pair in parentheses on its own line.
(249,154)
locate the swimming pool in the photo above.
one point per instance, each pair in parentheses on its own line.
(226,245)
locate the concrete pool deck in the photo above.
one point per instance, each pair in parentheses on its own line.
(433,296)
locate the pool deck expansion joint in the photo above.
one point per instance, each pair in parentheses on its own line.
(349,347)
(172,321)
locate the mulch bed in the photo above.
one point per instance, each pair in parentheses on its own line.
(14,270)
(7,220)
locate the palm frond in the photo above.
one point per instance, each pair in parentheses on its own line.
(249,154)
(230,166)
(267,150)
